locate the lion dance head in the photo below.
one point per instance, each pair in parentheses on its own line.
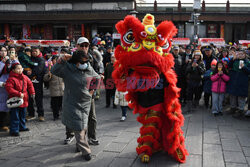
(143,52)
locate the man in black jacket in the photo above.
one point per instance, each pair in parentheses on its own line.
(109,82)
(36,76)
(107,56)
(208,57)
(179,68)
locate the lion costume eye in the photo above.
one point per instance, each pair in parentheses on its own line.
(128,37)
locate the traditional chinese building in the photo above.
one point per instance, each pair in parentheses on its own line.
(52,19)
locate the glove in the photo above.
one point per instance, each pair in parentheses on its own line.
(33,96)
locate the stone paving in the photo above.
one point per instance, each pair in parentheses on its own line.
(211,141)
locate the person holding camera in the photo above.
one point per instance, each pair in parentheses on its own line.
(25,60)
(78,75)
(195,70)
(239,70)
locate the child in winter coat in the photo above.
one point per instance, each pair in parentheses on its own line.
(219,79)
(56,89)
(207,88)
(18,85)
(120,100)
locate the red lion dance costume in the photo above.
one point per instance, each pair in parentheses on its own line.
(144,68)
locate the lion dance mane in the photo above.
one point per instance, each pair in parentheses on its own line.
(144,68)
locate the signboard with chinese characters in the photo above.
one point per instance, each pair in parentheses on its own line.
(116,36)
(42,43)
(208,41)
(245,43)
(180,41)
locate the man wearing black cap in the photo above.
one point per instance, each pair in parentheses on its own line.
(208,56)
(179,70)
(188,53)
(107,56)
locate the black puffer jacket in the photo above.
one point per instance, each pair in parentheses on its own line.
(208,60)
(179,65)
(195,73)
(38,71)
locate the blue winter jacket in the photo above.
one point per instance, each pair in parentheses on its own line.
(238,83)
(207,81)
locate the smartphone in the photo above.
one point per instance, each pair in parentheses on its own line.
(240,63)
(12,53)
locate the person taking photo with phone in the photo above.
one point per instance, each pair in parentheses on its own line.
(195,70)
(239,69)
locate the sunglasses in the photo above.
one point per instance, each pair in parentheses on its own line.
(84,45)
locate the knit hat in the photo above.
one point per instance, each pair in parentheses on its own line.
(214,62)
(197,52)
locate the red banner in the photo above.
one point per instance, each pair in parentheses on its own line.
(28,42)
(208,41)
(43,43)
(245,43)
(11,41)
(180,41)
(54,43)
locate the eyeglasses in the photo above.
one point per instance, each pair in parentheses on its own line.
(3,50)
(84,45)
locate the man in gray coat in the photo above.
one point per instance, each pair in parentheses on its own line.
(77,75)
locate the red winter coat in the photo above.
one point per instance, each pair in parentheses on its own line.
(14,86)
(219,83)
